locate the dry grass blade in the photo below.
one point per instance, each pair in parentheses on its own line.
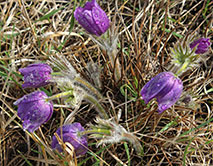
(36,31)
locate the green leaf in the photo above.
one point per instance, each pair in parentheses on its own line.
(47,16)
(27,161)
(129,88)
(46,91)
(196,128)
(186,151)
(167,126)
(127,153)
(209,90)
(97,153)
(173,33)
(205,9)
(72,21)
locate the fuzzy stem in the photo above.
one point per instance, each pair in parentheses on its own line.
(97,105)
(112,58)
(56,73)
(96,131)
(59,95)
(92,95)
(183,67)
(134,141)
(88,87)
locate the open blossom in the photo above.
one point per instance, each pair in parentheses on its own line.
(92,18)
(70,133)
(34,110)
(165,87)
(36,75)
(202,44)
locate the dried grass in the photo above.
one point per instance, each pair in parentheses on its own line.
(26,36)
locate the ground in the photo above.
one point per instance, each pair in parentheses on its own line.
(32,31)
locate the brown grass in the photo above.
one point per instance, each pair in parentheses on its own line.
(144,52)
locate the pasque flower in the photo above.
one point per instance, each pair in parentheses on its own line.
(165,87)
(92,18)
(34,110)
(202,45)
(71,134)
(36,75)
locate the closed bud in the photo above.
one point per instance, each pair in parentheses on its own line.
(71,134)
(34,110)
(36,75)
(202,45)
(165,87)
(92,18)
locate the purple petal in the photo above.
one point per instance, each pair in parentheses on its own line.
(32,67)
(90,5)
(36,75)
(34,110)
(202,44)
(101,19)
(34,96)
(92,18)
(76,143)
(85,20)
(70,134)
(157,86)
(170,98)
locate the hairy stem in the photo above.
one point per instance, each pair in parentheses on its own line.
(134,141)
(97,131)
(60,95)
(88,87)
(112,57)
(97,105)
(183,67)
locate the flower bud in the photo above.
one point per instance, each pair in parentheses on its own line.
(165,87)
(92,18)
(71,134)
(34,110)
(202,45)
(36,75)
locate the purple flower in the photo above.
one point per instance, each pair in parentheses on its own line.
(202,45)
(165,87)
(34,110)
(70,133)
(92,18)
(36,75)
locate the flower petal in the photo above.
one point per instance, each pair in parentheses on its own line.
(34,110)
(70,133)
(36,75)
(202,44)
(170,98)
(92,18)
(101,19)
(157,86)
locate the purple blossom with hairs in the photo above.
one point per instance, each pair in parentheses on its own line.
(202,44)
(36,75)
(165,87)
(34,110)
(70,133)
(92,18)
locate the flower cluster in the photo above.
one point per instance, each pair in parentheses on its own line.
(36,108)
